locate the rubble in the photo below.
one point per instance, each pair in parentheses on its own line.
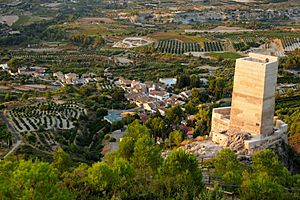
(236,141)
(203,150)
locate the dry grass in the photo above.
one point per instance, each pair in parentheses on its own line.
(9,19)
(176,35)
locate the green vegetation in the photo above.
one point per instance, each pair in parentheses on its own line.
(64,151)
(225,55)
(177,47)
(137,170)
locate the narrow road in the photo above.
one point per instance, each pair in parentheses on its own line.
(14,133)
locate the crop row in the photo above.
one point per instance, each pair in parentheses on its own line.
(178,47)
(288,41)
(213,46)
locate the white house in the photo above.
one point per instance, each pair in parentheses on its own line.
(71,78)
(4,67)
(161,95)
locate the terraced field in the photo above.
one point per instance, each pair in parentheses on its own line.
(45,117)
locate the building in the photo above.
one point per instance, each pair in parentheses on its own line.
(160,95)
(4,67)
(71,78)
(34,71)
(122,61)
(251,115)
(113,116)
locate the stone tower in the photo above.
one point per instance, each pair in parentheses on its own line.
(253,96)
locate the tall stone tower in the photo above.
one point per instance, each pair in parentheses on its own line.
(253,97)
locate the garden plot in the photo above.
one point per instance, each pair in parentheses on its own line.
(45,116)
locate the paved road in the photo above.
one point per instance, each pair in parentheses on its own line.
(14,133)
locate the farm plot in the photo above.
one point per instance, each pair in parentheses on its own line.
(177,47)
(213,46)
(244,43)
(45,116)
(290,44)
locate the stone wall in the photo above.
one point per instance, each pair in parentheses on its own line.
(220,119)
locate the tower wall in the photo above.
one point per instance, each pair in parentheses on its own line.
(253,95)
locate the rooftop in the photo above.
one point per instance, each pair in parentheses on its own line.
(260,58)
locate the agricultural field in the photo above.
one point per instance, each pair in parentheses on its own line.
(105,86)
(178,47)
(224,55)
(290,43)
(45,117)
(26,20)
(177,36)
(6,138)
(111,30)
(244,43)
(213,46)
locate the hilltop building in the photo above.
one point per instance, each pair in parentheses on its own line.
(248,125)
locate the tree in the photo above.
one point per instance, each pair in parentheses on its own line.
(48,94)
(126,147)
(101,178)
(217,87)
(136,130)
(228,167)
(260,186)
(157,127)
(117,125)
(190,108)
(7,97)
(13,64)
(174,114)
(24,96)
(195,93)
(61,160)
(267,161)
(194,81)
(146,160)
(180,176)
(183,81)
(30,180)
(75,181)
(101,112)
(98,41)
(203,120)
(126,173)
(118,94)
(146,155)
(176,137)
